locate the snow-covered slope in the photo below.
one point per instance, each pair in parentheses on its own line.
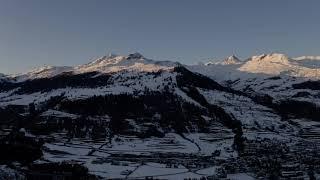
(115,75)
(42,72)
(274,75)
(250,113)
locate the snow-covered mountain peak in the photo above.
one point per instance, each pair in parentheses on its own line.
(132,62)
(272,64)
(231,60)
(105,60)
(113,59)
(276,64)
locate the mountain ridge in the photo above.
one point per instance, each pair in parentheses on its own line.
(104,64)
(273,64)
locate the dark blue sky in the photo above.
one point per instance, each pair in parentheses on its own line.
(69,32)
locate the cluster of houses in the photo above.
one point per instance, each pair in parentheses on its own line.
(297,161)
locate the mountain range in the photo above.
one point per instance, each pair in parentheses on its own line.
(122,100)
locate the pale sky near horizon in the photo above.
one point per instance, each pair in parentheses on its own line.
(71,32)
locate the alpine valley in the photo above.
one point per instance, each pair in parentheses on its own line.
(130,117)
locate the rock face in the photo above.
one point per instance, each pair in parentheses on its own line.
(136,106)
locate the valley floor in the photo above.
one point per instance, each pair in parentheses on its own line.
(171,157)
(265,154)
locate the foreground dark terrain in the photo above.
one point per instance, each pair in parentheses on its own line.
(129,117)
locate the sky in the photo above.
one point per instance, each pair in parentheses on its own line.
(34,33)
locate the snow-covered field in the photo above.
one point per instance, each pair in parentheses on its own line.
(131,157)
(249,113)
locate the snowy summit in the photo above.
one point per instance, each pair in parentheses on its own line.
(231,60)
